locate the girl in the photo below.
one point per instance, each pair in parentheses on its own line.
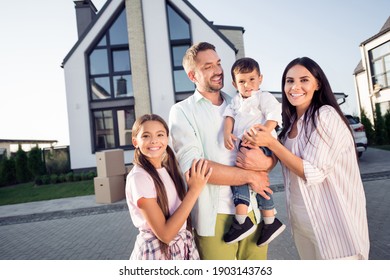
(325,195)
(155,191)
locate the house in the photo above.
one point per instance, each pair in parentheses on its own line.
(9,146)
(127,62)
(372,74)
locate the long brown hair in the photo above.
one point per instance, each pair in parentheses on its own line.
(324,96)
(171,165)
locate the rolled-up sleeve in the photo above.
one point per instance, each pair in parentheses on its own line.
(326,144)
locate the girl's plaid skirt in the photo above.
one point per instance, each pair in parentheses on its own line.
(147,247)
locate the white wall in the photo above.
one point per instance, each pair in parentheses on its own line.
(364,81)
(158,56)
(77,97)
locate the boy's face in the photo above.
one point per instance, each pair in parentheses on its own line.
(245,83)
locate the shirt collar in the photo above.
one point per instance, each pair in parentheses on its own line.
(198,96)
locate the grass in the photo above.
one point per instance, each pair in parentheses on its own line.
(29,192)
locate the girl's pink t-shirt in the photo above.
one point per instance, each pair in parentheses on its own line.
(140,184)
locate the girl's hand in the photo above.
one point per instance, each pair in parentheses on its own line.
(198,175)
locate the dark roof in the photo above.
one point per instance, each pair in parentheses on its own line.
(385,28)
(210,24)
(359,68)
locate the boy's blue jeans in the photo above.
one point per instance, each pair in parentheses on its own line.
(241,193)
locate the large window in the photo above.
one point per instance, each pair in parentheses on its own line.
(110,87)
(380,66)
(180,40)
(113,128)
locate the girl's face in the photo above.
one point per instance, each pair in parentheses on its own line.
(246,83)
(152,140)
(299,88)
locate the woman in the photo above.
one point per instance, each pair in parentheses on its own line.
(325,195)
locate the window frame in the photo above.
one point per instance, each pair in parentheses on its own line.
(186,42)
(113,103)
(384,72)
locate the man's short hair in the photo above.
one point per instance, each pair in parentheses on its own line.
(191,53)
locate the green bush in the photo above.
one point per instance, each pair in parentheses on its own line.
(7,171)
(380,132)
(38,180)
(387,126)
(69,177)
(53,179)
(23,174)
(91,175)
(370,133)
(35,162)
(76,177)
(61,178)
(45,179)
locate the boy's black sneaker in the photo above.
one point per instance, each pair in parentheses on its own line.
(270,232)
(238,232)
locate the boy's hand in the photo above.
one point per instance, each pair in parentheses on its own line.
(229,140)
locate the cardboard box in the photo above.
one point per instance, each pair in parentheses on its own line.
(110,163)
(109,189)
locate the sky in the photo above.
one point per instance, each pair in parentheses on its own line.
(37,35)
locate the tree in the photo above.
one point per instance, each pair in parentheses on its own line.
(35,162)
(22,172)
(368,127)
(387,126)
(380,132)
(7,172)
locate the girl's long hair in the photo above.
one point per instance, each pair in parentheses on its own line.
(323,96)
(171,165)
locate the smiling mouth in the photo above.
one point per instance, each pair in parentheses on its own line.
(294,95)
(154,148)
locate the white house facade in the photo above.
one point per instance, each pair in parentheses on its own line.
(372,75)
(127,62)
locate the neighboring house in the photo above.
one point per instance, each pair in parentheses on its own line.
(127,62)
(372,75)
(9,146)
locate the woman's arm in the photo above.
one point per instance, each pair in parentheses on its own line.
(259,135)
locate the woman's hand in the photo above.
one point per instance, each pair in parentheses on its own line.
(258,135)
(198,175)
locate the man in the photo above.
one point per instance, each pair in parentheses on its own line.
(196,130)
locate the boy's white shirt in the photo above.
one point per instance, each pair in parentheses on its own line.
(256,109)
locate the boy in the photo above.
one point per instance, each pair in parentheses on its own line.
(250,106)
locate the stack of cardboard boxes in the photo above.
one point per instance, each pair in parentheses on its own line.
(111,176)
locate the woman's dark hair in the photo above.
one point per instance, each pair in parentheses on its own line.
(171,165)
(323,96)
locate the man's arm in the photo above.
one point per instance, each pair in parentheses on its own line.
(234,176)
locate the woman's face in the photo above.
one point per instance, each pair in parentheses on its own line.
(299,88)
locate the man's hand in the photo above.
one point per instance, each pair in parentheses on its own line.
(254,159)
(261,184)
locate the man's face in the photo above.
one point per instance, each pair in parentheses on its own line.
(208,74)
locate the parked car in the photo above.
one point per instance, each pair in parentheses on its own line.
(359,133)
